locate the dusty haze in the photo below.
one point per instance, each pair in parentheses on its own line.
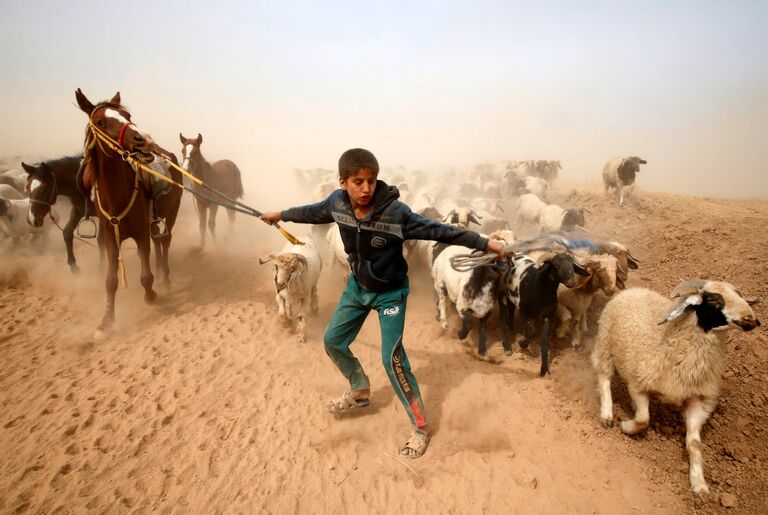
(277,87)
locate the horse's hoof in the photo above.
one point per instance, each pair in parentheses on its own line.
(100,334)
(74,269)
(507,352)
(150,297)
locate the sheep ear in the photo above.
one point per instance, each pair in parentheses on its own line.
(580,269)
(267,259)
(752,301)
(302,260)
(632,261)
(681,307)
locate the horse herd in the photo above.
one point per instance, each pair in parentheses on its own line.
(125,179)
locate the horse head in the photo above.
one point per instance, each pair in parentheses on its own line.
(112,120)
(190,149)
(42,192)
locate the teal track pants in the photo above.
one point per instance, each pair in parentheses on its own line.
(353,309)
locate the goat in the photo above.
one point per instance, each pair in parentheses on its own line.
(674,348)
(532,289)
(619,172)
(296,272)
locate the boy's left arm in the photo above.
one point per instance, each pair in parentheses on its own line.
(417,227)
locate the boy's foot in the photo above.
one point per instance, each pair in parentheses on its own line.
(416,445)
(346,403)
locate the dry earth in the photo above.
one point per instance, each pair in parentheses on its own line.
(203,403)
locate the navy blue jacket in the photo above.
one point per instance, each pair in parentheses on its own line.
(374,245)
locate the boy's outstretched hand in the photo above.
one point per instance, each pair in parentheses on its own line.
(497,247)
(271,217)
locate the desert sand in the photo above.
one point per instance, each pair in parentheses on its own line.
(204,403)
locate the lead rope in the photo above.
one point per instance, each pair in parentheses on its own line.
(115,221)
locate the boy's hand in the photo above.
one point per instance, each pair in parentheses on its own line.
(271,217)
(497,247)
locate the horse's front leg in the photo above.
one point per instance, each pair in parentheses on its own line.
(146,272)
(111,284)
(69,232)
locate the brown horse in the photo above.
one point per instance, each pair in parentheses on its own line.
(123,194)
(223,175)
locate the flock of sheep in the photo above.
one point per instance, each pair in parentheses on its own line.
(672,346)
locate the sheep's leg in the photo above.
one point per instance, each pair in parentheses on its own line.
(466,323)
(314,304)
(546,333)
(697,412)
(606,401)
(528,333)
(576,331)
(281,311)
(621,195)
(640,422)
(505,323)
(442,315)
(301,324)
(565,317)
(481,335)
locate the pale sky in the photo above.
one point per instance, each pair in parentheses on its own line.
(278,85)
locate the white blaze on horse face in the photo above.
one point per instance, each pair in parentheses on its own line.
(115,115)
(187,153)
(34,185)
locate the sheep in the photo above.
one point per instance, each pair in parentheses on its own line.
(296,272)
(9,192)
(14,226)
(475,293)
(625,259)
(573,303)
(462,217)
(673,348)
(619,172)
(537,186)
(528,208)
(532,288)
(337,256)
(554,218)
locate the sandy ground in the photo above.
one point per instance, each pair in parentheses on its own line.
(203,403)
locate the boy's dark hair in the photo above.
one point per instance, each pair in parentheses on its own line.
(354,159)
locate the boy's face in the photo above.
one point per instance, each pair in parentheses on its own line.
(360,186)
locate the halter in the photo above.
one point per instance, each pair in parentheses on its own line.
(51,196)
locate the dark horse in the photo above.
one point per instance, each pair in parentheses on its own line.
(223,175)
(123,194)
(45,183)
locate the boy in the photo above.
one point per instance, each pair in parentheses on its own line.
(373,226)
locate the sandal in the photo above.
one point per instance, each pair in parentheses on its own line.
(418,442)
(346,403)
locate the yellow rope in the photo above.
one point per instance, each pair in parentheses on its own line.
(126,156)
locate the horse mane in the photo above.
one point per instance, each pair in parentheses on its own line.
(63,160)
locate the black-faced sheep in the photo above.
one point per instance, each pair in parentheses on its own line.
(673,348)
(620,172)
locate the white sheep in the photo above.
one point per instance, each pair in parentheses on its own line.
(296,272)
(554,218)
(528,208)
(574,303)
(337,256)
(620,172)
(537,186)
(673,348)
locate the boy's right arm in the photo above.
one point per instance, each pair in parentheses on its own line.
(318,213)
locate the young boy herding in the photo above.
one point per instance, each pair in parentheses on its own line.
(373,226)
